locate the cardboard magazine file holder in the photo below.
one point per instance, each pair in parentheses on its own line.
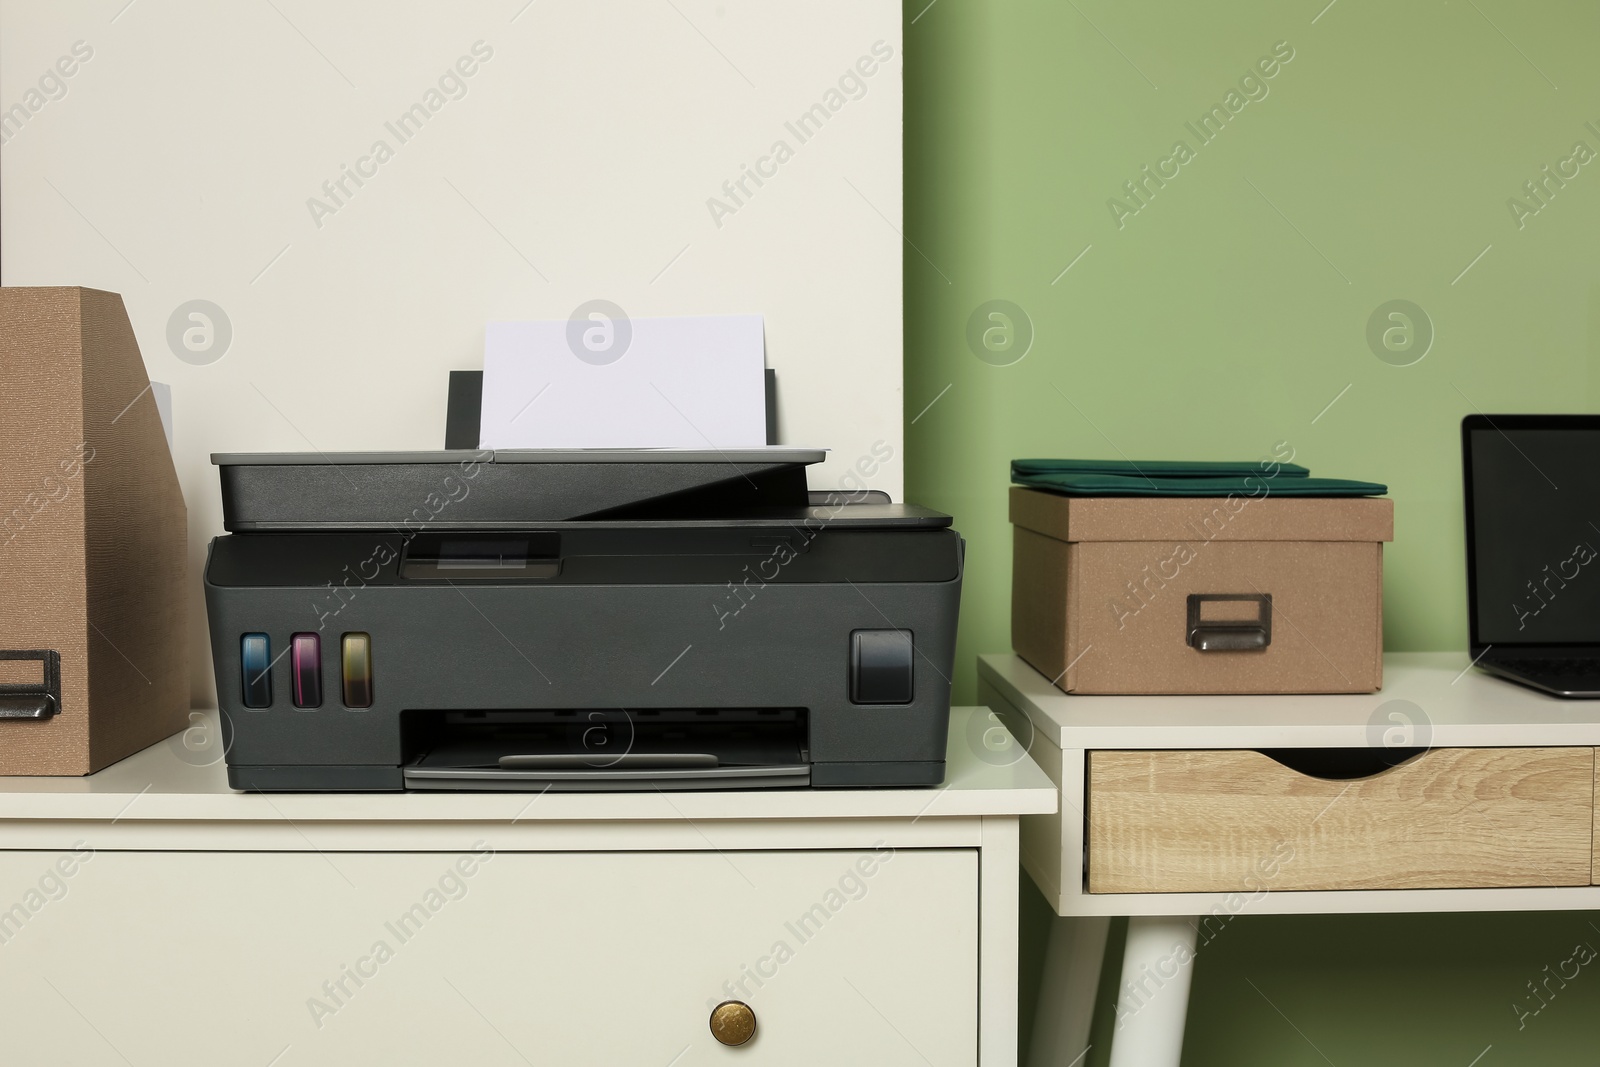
(1200,594)
(93,637)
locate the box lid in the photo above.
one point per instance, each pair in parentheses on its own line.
(1233,518)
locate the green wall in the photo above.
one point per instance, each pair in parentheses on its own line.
(1224,315)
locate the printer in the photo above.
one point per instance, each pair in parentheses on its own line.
(576,620)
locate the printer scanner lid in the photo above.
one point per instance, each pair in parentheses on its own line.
(510,488)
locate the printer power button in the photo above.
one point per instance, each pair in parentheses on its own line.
(882,666)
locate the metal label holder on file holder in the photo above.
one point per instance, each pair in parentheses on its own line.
(32,700)
(1229,635)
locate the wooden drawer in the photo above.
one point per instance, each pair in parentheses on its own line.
(1229,821)
(552,958)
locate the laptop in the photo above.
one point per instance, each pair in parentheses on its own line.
(1533,548)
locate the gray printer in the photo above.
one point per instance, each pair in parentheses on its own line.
(576,620)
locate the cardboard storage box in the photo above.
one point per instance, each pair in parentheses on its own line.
(93,533)
(1200,594)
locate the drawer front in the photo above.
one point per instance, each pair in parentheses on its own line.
(1239,821)
(556,958)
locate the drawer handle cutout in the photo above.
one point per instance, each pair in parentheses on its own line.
(1229,634)
(38,695)
(1341,764)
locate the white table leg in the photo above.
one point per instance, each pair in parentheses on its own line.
(1067,990)
(1153,994)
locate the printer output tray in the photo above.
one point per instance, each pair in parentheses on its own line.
(606,781)
(643,758)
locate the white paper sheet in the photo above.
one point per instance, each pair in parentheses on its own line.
(604,381)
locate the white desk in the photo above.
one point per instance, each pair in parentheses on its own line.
(1446,708)
(150,915)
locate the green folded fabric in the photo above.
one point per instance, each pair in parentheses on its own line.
(1181,478)
(1155,468)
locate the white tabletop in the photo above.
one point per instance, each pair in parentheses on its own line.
(1438,696)
(985,774)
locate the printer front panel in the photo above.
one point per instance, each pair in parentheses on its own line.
(745,622)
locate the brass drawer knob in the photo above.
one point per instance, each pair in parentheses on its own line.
(732,1022)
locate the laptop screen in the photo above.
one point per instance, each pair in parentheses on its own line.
(1533,501)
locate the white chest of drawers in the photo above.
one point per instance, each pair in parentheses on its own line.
(150,915)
